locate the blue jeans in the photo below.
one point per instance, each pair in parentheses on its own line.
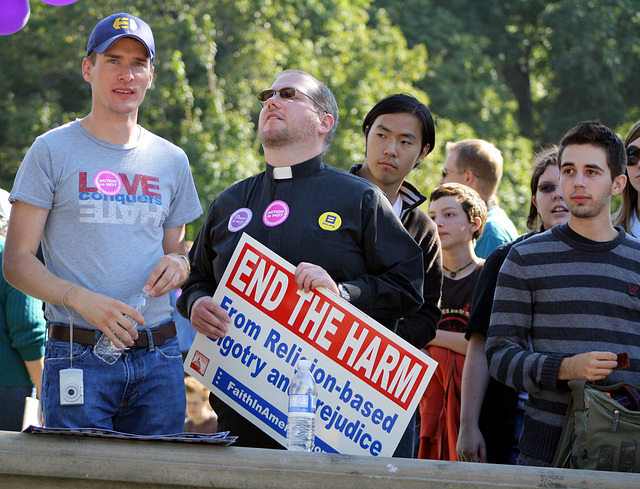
(142,393)
(518,423)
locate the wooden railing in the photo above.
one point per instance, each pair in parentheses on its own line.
(51,461)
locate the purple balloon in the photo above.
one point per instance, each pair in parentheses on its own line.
(59,2)
(14,15)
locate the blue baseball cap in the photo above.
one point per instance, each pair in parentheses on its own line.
(116,26)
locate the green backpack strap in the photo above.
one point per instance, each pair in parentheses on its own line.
(563,451)
(577,389)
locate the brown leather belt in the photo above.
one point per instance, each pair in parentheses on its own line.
(88,337)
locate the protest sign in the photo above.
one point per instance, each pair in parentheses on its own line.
(369,380)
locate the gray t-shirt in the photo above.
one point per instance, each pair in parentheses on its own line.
(108,207)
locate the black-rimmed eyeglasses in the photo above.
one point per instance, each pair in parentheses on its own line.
(286,93)
(633,155)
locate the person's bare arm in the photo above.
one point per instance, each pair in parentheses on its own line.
(450,339)
(20,266)
(24,271)
(35,369)
(471,446)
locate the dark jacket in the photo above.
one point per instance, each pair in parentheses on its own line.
(420,328)
(326,217)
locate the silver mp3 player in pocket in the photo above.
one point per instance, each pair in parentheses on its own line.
(71,387)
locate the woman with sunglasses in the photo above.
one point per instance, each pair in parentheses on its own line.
(490,412)
(627,214)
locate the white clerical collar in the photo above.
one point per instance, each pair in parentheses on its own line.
(282,173)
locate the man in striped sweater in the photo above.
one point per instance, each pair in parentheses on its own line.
(568,300)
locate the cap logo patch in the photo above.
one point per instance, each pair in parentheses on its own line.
(275,213)
(125,23)
(330,221)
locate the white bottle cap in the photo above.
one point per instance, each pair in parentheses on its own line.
(304,364)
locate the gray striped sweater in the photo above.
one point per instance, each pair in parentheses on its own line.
(560,294)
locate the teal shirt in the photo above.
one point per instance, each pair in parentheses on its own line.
(22,332)
(498,230)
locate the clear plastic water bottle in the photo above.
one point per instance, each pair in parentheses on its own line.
(105,349)
(301,435)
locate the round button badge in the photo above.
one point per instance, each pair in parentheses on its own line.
(275,213)
(239,219)
(330,221)
(108,182)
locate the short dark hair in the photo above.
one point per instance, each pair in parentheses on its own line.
(600,136)
(404,103)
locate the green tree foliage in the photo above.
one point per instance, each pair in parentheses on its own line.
(515,73)
(212,60)
(550,64)
(521,73)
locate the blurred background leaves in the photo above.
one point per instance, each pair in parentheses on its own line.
(517,73)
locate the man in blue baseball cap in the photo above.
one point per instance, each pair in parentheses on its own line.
(109,201)
(117,26)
